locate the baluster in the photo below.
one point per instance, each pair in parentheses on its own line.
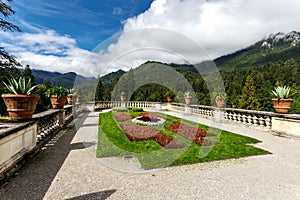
(268,122)
(225,116)
(249,120)
(261,121)
(255,120)
(244,119)
(230,117)
(234,117)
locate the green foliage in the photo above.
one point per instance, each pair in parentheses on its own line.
(219,95)
(120,109)
(169,94)
(19,87)
(187,94)
(71,91)
(44,101)
(248,99)
(27,73)
(57,91)
(99,93)
(7,60)
(281,92)
(133,109)
(47,83)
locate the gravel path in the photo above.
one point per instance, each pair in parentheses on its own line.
(68,169)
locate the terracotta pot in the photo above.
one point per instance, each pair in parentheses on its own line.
(71,98)
(20,106)
(188,100)
(58,103)
(221,103)
(169,99)
(282,105)
(123,97)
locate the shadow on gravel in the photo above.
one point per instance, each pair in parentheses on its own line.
(95,196)
(34,179)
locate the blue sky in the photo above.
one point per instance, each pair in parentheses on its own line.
(95,37)
(89,22)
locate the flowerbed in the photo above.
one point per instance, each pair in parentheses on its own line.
(122,117)
(141,133)
(151,121)
(151,115)
(196,135)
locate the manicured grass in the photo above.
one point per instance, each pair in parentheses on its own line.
(112,141)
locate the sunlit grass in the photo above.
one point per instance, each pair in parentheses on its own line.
(112,141)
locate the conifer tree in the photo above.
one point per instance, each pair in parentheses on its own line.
(27,74)
(47,83)
(6,60)
(248,100)
(99,93)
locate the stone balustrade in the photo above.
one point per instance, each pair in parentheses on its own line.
(249,118)
(115,104)
(21,139)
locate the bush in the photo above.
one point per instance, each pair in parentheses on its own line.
(133,109)
(120,109)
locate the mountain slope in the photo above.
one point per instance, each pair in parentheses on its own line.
(276,47)
(67,79)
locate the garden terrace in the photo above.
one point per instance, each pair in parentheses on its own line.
(32,135)
(268,121)
(71,179)
(19,140)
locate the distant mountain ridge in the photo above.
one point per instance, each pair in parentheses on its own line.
(62,79)
(274,48)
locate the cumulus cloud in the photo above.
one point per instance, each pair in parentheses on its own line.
(171,31)
(220,27)
(47,50)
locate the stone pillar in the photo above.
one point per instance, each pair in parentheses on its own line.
(218,115)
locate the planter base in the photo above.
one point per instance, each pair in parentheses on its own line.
(58,103)
(282,105)
(20,106)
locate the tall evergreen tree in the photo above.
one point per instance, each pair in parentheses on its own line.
(47,83)
(7,60)
(99,93)
(248,100)
(27,73)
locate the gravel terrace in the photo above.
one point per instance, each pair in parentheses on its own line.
(68,169)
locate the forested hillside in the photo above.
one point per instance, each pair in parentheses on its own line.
(270,62)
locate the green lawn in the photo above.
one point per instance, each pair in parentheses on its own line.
(112,141)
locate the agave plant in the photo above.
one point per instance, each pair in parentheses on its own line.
(282,92)
(19,87)
(219,95)
(72,91)
(187,94)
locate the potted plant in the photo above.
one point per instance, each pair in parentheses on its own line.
(220,99)
(58,96)
(187,98)
(123,96)
(169,96)
(72,95)
(79,96)
(20,103)
(282,102)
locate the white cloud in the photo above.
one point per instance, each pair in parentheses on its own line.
(221,27)
(169,31)
(47,50)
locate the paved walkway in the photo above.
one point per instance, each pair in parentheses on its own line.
(68,169)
